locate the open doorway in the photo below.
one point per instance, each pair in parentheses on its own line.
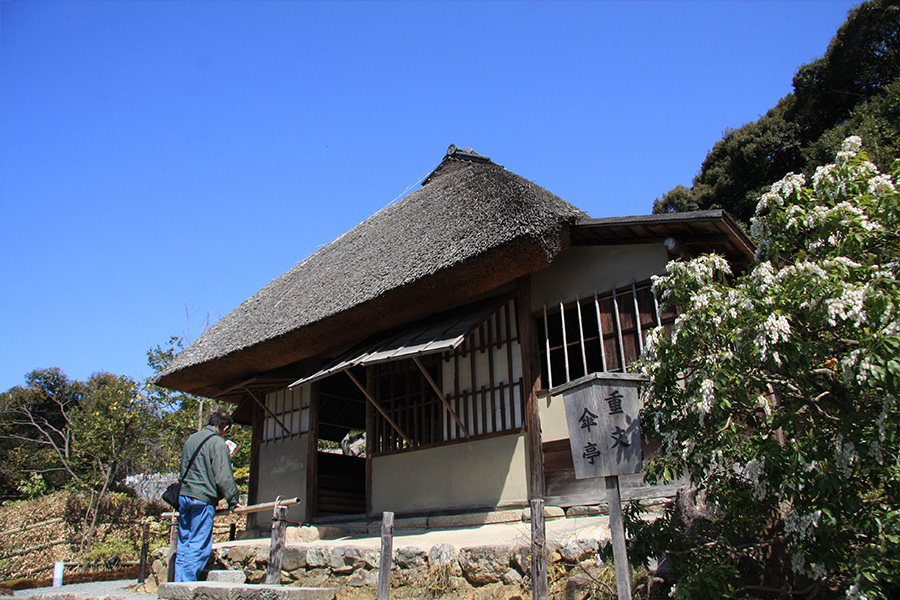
(340,471)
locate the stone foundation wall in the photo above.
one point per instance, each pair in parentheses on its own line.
(439,570)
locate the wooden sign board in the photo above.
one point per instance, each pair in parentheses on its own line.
(604,426)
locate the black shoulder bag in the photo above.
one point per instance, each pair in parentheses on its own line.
(174,490)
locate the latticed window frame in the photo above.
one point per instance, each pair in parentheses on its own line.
(569,333)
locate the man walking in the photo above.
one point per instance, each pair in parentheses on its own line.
(208,479)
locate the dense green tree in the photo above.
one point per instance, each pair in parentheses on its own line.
(851,90)
(36,449)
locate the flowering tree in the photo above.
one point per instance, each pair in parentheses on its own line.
(776,393)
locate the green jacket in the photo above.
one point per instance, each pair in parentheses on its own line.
(210,478)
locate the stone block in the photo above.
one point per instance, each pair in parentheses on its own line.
(327,532)
(512,577)
(239,554)
(586,511)
(293,558)
(474,519)
(442,554)
(318,556)
(226,576)
(339,563)
(575,551)
(302,535)
(230,591)
(409,526)
(362,557)
(550,512)
(372,579)
(409,557)
(484,564)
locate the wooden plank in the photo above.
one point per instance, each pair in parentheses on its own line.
(370,439)
(145,549)
(547,343)
(276,546)
(584,364)
(617,535)
(440,396)
(312,459)
(378,408)
(387,555)
(539,585)
(637,318)
(173,546)
(565,340)
(271,414)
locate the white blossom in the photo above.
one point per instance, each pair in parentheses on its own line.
(853,593)
(801,526)
(792,183)
(823,174)
(852,144)
(798,561)
(752,473)
(802,268)
(817,571)
(875,452)
(880,185)
(768,199)
(844,453)
(775,329)
(842,158)
(850,306)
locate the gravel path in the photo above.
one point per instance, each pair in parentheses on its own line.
(116,589)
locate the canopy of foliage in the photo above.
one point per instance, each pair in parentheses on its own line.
(88,437)
(854,89)
(777,394)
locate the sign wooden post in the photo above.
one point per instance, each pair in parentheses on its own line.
(605,438)
(387,556)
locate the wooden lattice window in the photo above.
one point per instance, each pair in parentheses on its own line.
(410,414)
(483,378)
(603,333)
(286,413)
(481,381)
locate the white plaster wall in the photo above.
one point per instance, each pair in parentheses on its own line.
(553,418)
(479,473)
(282,468)
(581,270)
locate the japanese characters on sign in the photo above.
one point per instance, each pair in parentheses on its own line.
(604,426)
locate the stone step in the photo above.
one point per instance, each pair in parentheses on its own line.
(223,576)
(221,590)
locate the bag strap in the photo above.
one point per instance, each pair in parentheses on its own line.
(196,452)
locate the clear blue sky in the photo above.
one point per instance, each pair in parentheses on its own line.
(159,158)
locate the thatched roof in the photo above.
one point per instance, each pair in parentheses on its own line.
(472,227)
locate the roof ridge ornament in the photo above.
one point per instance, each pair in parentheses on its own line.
(465,153)
(455,153)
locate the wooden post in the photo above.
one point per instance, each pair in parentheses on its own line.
(387,555)
(173,547)
(617,532)
(531,379)
(232,532)
(145,547)
(276,548)
(538,551)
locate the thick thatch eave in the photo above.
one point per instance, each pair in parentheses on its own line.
(473,227)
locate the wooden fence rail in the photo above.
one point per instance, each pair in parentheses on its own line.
(25,528)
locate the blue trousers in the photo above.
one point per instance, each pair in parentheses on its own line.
(195,525)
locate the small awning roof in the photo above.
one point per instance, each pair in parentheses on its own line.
(444,331)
